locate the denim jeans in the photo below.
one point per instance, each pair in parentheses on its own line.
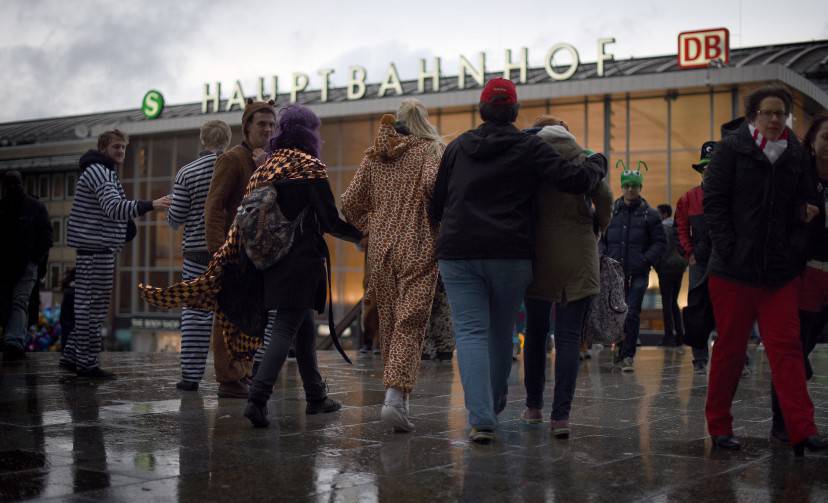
(484,295)
(569,327)
(18,323)
(636,288)
(289,324)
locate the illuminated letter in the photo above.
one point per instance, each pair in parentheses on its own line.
(434,76)
(206,97)
(551,55)
(274,82)
(522,66)
(325,73)
(478,74)
(300,83)
(356,86)
(392,81)
(603,56)
(237,98)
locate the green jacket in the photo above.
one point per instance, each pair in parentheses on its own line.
(566,246)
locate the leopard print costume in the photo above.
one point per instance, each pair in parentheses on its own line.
(387,201)
(202,292)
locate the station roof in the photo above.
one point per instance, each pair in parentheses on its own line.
(804,64)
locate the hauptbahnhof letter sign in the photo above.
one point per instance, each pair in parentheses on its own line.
(428,79)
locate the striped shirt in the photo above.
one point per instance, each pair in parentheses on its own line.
(100,211)
(189,193)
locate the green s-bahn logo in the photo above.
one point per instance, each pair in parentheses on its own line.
(153,104)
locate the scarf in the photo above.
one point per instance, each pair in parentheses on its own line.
(202,292)
(772,149)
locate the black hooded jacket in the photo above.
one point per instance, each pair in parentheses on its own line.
(25,221)
(484,193)
(753,209)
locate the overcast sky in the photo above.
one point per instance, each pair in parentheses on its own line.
(62,57)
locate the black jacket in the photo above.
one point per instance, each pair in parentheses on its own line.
(24,220)
(753,209)
(818,228)
(484,193)
(299,279)
(635,237)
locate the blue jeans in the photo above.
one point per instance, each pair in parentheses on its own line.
(484,295)
(636,288)
(18,323)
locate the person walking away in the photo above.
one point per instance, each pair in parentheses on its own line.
(192,182)
(635,238)
(25,220)
(100,222)
(813,295)
(387,199)
(231,173)
(756,190)
(566,273)
(670,272)
(483,202)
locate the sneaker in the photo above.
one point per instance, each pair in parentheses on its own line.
(257,414)
(700,367)
(531,416)
(233,389)
(396,416)
(96,373)
(324,406)
(627,364)
(13,353)
(187,385)
(559,428)
(481,436)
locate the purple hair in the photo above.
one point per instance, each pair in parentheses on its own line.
(298,127)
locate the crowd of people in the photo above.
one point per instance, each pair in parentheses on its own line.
(457,237)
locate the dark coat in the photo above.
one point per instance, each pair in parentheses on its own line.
(486,186)
(672,264)
(25,220)
(298,280)
(753,208)
(635,237)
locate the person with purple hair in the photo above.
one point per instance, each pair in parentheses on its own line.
(298,283)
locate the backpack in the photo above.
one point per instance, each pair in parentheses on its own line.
(607,310)
(265,233)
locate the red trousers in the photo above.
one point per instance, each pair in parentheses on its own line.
(735,307)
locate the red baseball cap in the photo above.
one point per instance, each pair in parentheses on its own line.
(499,88)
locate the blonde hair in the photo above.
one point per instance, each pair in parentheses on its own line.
(414,115)
(215,134)
(108,137)
(549,120)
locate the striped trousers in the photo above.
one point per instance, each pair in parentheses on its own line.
(196,326)
(93,292)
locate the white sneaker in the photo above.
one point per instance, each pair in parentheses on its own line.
(396,416)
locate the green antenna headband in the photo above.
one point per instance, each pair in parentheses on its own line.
(631,176)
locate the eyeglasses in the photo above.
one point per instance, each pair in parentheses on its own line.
(768,114)
(628,186)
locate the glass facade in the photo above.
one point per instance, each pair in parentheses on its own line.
(665,130)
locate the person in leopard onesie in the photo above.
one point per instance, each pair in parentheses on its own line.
(387,201)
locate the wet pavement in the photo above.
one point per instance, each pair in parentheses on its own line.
(636,437)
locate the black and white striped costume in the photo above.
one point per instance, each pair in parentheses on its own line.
(189,193)
(97,229)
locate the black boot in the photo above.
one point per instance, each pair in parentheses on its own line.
(813,444)
(257,414)
(728,442)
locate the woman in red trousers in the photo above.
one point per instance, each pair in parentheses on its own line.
(755,203)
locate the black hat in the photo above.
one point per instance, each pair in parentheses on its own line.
(706,154)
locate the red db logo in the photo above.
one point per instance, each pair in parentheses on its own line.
(696,49)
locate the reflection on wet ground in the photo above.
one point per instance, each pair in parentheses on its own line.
(637,437)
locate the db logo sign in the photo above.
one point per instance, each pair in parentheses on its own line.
(696,49)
